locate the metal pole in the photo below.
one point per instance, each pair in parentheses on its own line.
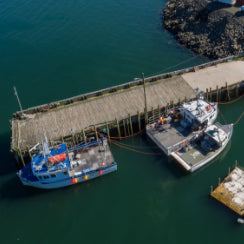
(16,94)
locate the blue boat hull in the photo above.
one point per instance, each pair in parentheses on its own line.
(69,180)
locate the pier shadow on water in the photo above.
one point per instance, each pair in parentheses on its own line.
(7,162)
(10,185)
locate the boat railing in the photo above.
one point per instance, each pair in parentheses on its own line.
(219,125)
(88,144)
(226,128)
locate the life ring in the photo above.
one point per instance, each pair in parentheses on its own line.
(208,108)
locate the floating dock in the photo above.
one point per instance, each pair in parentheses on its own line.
(231,191)
(123,109)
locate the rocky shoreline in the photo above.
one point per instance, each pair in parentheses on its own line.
(210,29)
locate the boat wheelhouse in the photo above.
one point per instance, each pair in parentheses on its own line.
(199,112)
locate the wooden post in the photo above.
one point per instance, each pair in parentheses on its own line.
(73,139)
(21,157)
(219,181)
(211,189)
(207,94)
(139,121)
(84,135)
(237,90)
(131,127)
(29,154)
(210,94)
(95,129)
(220,95)
(179,102)
(227,92)
(158,110)
(128,128)
(145,99)
(118,128)
(50,142)
(125,133)
(217,94)
(80,138)
(108,133)
(152,113)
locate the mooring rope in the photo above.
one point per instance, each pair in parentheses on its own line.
(137,151)
(237,121)
(235,100)
(137,147)
(119,137)
(222,116)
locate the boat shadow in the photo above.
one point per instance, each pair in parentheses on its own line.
(7,165)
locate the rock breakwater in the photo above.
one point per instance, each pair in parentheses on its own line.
(208,28)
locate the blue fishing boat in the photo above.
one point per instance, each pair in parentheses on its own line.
(59,166)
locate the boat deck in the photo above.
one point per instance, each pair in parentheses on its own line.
(195,156)
(169,135)
(91,158)
(231,191)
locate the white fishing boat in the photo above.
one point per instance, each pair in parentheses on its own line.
(203,147)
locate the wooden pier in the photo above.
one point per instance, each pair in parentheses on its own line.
(123,109)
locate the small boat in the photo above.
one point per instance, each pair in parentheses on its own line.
(203,147)
(59,166)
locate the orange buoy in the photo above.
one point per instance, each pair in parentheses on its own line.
(57,158)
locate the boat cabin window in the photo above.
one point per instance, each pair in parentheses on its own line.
(65,172)
(53,175)
(40,177)
(45,176)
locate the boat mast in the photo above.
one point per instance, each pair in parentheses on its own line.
(16,94)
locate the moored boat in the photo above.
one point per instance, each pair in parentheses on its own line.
(204,146)
(59,166)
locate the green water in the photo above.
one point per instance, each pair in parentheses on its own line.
(56,49)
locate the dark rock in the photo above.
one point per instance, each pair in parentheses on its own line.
(211,29)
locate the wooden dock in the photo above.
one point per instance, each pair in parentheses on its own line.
(125,105)
(231,191)
(58,123)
